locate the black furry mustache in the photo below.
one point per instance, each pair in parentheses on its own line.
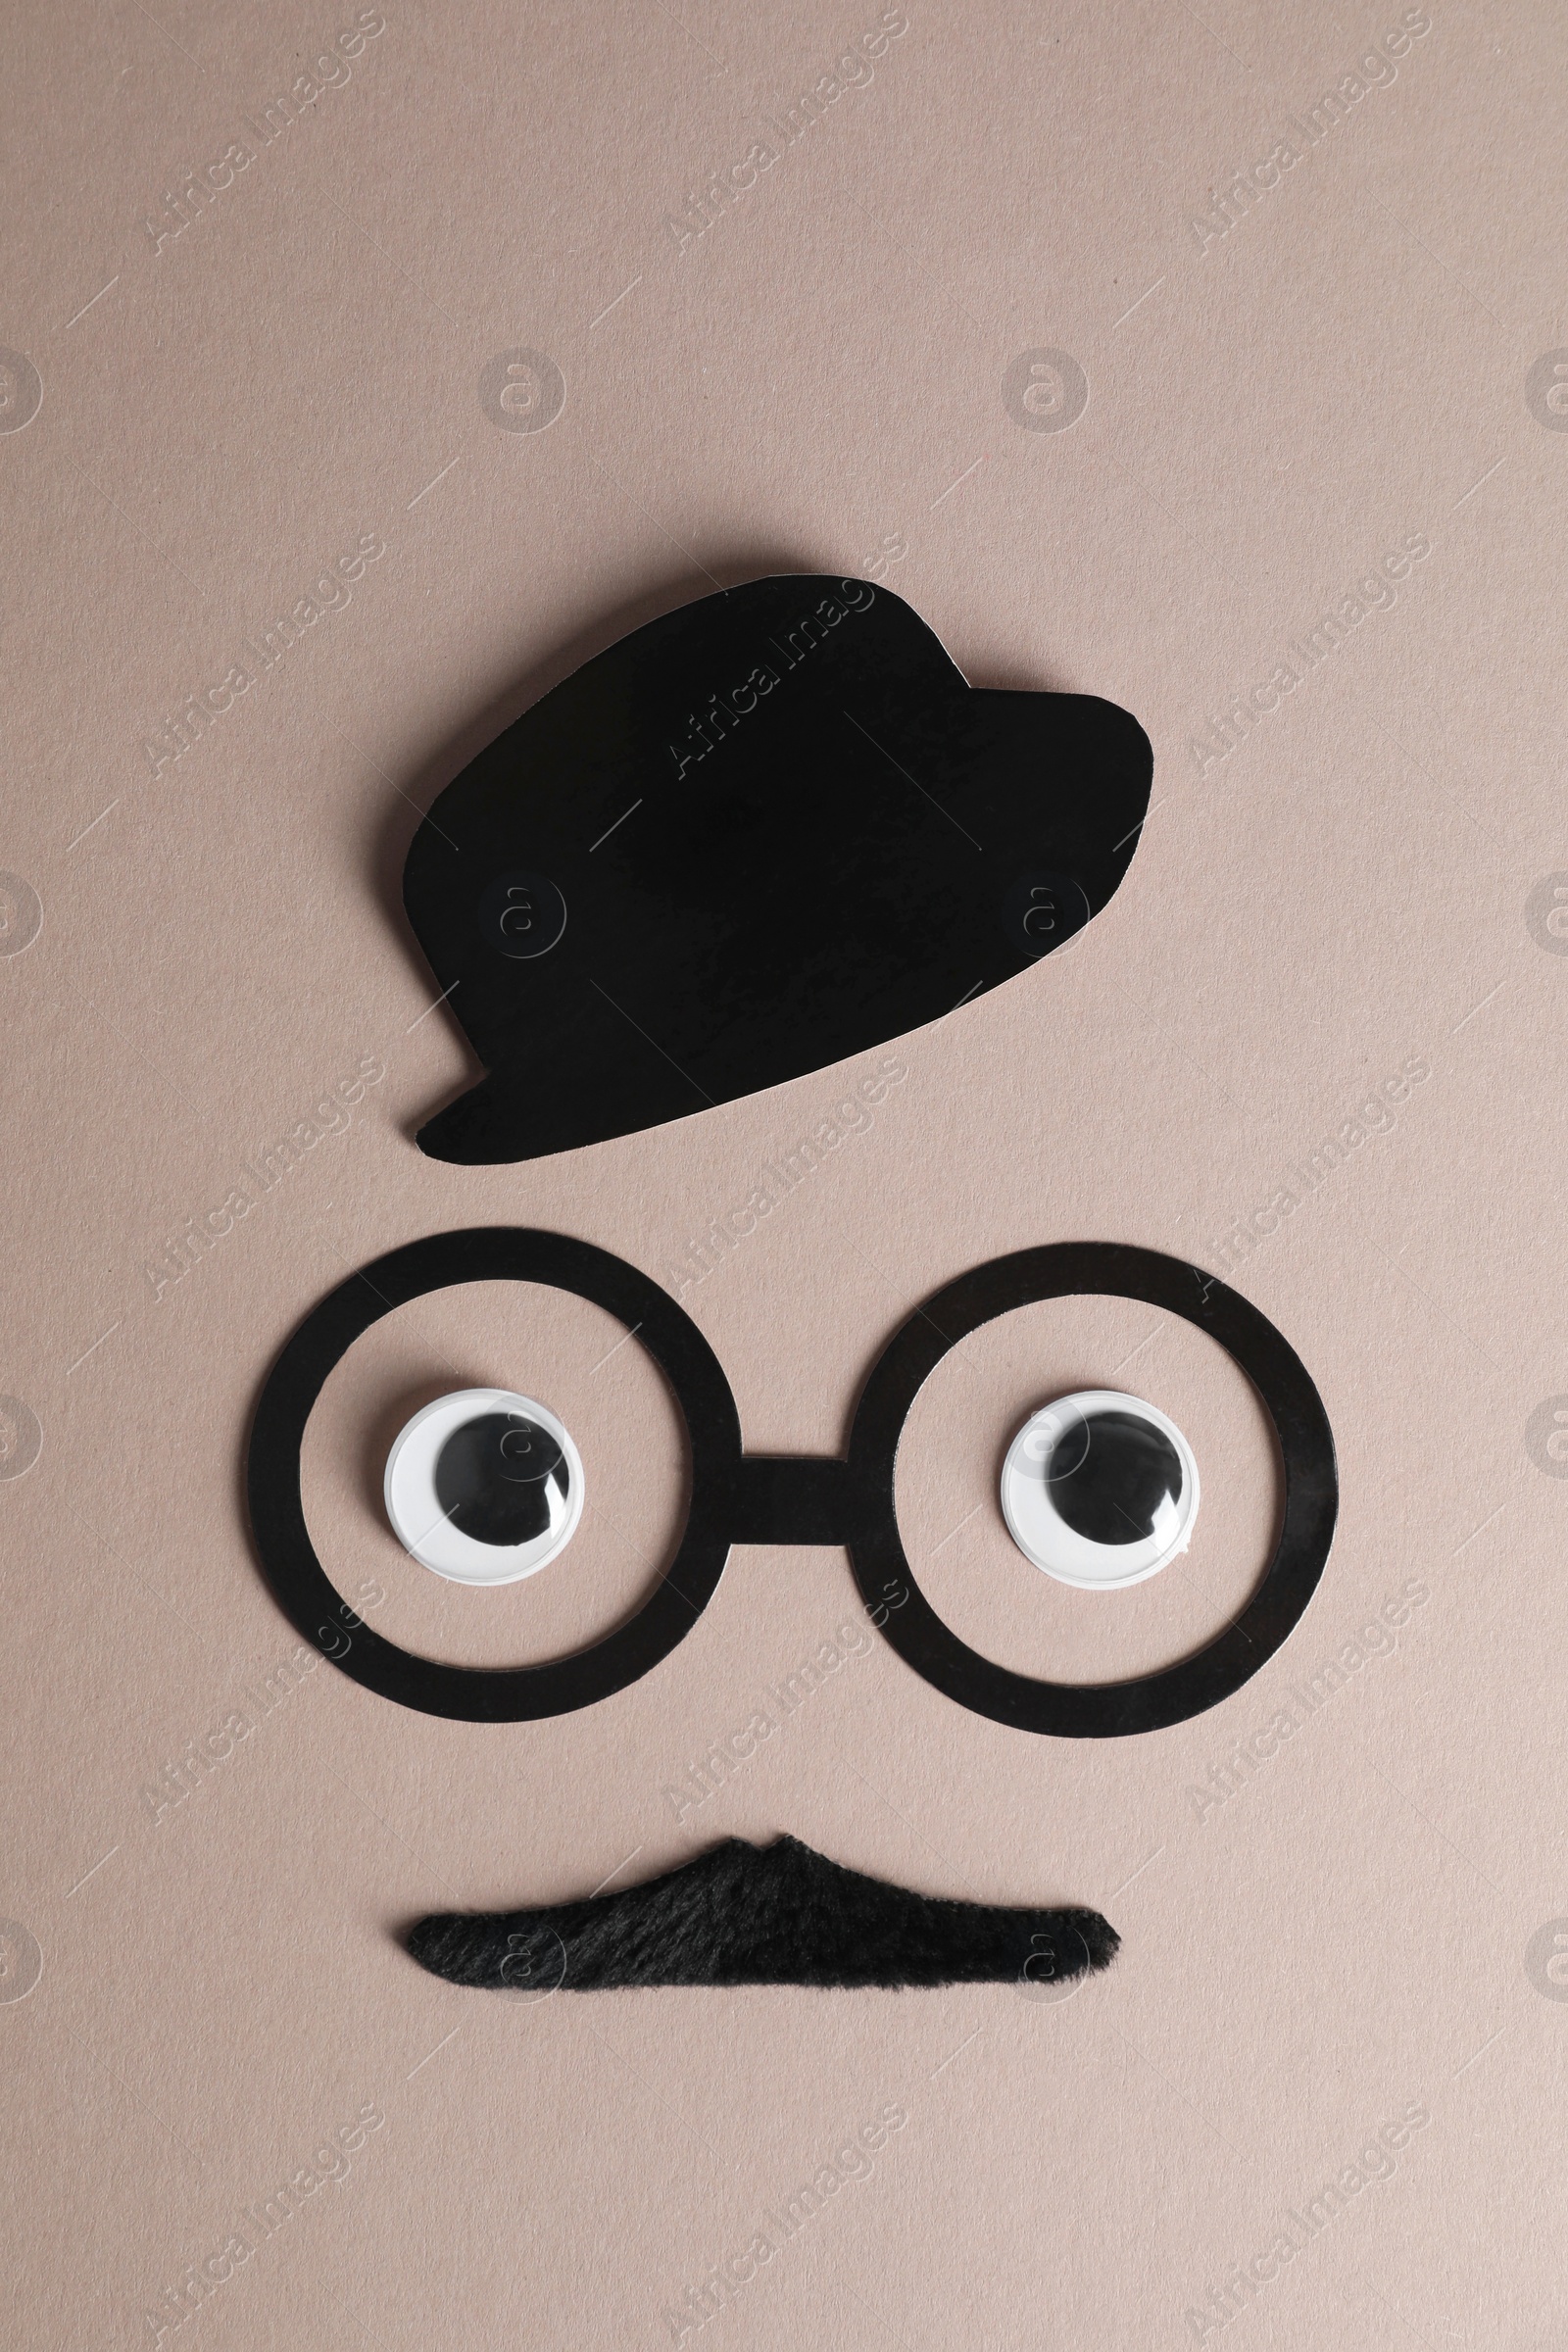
(743,1914)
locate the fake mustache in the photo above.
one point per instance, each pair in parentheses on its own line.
(744,1914)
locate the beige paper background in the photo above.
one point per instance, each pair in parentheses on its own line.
(816,382)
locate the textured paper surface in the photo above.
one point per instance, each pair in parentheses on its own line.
(1250,398)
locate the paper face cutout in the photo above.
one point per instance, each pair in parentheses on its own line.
(761,834)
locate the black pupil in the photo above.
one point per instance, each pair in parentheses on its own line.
(494,1478)
(1109,1475)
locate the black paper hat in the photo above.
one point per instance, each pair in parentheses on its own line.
(766,832)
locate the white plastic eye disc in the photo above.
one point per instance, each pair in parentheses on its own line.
(484,1487)
(1099,1490)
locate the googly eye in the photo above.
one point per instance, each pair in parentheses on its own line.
(484,1487)
(1099,1490)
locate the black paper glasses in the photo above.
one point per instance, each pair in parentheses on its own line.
(736,1498)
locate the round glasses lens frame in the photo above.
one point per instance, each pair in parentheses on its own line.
(1146,1702)
(507,1693)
